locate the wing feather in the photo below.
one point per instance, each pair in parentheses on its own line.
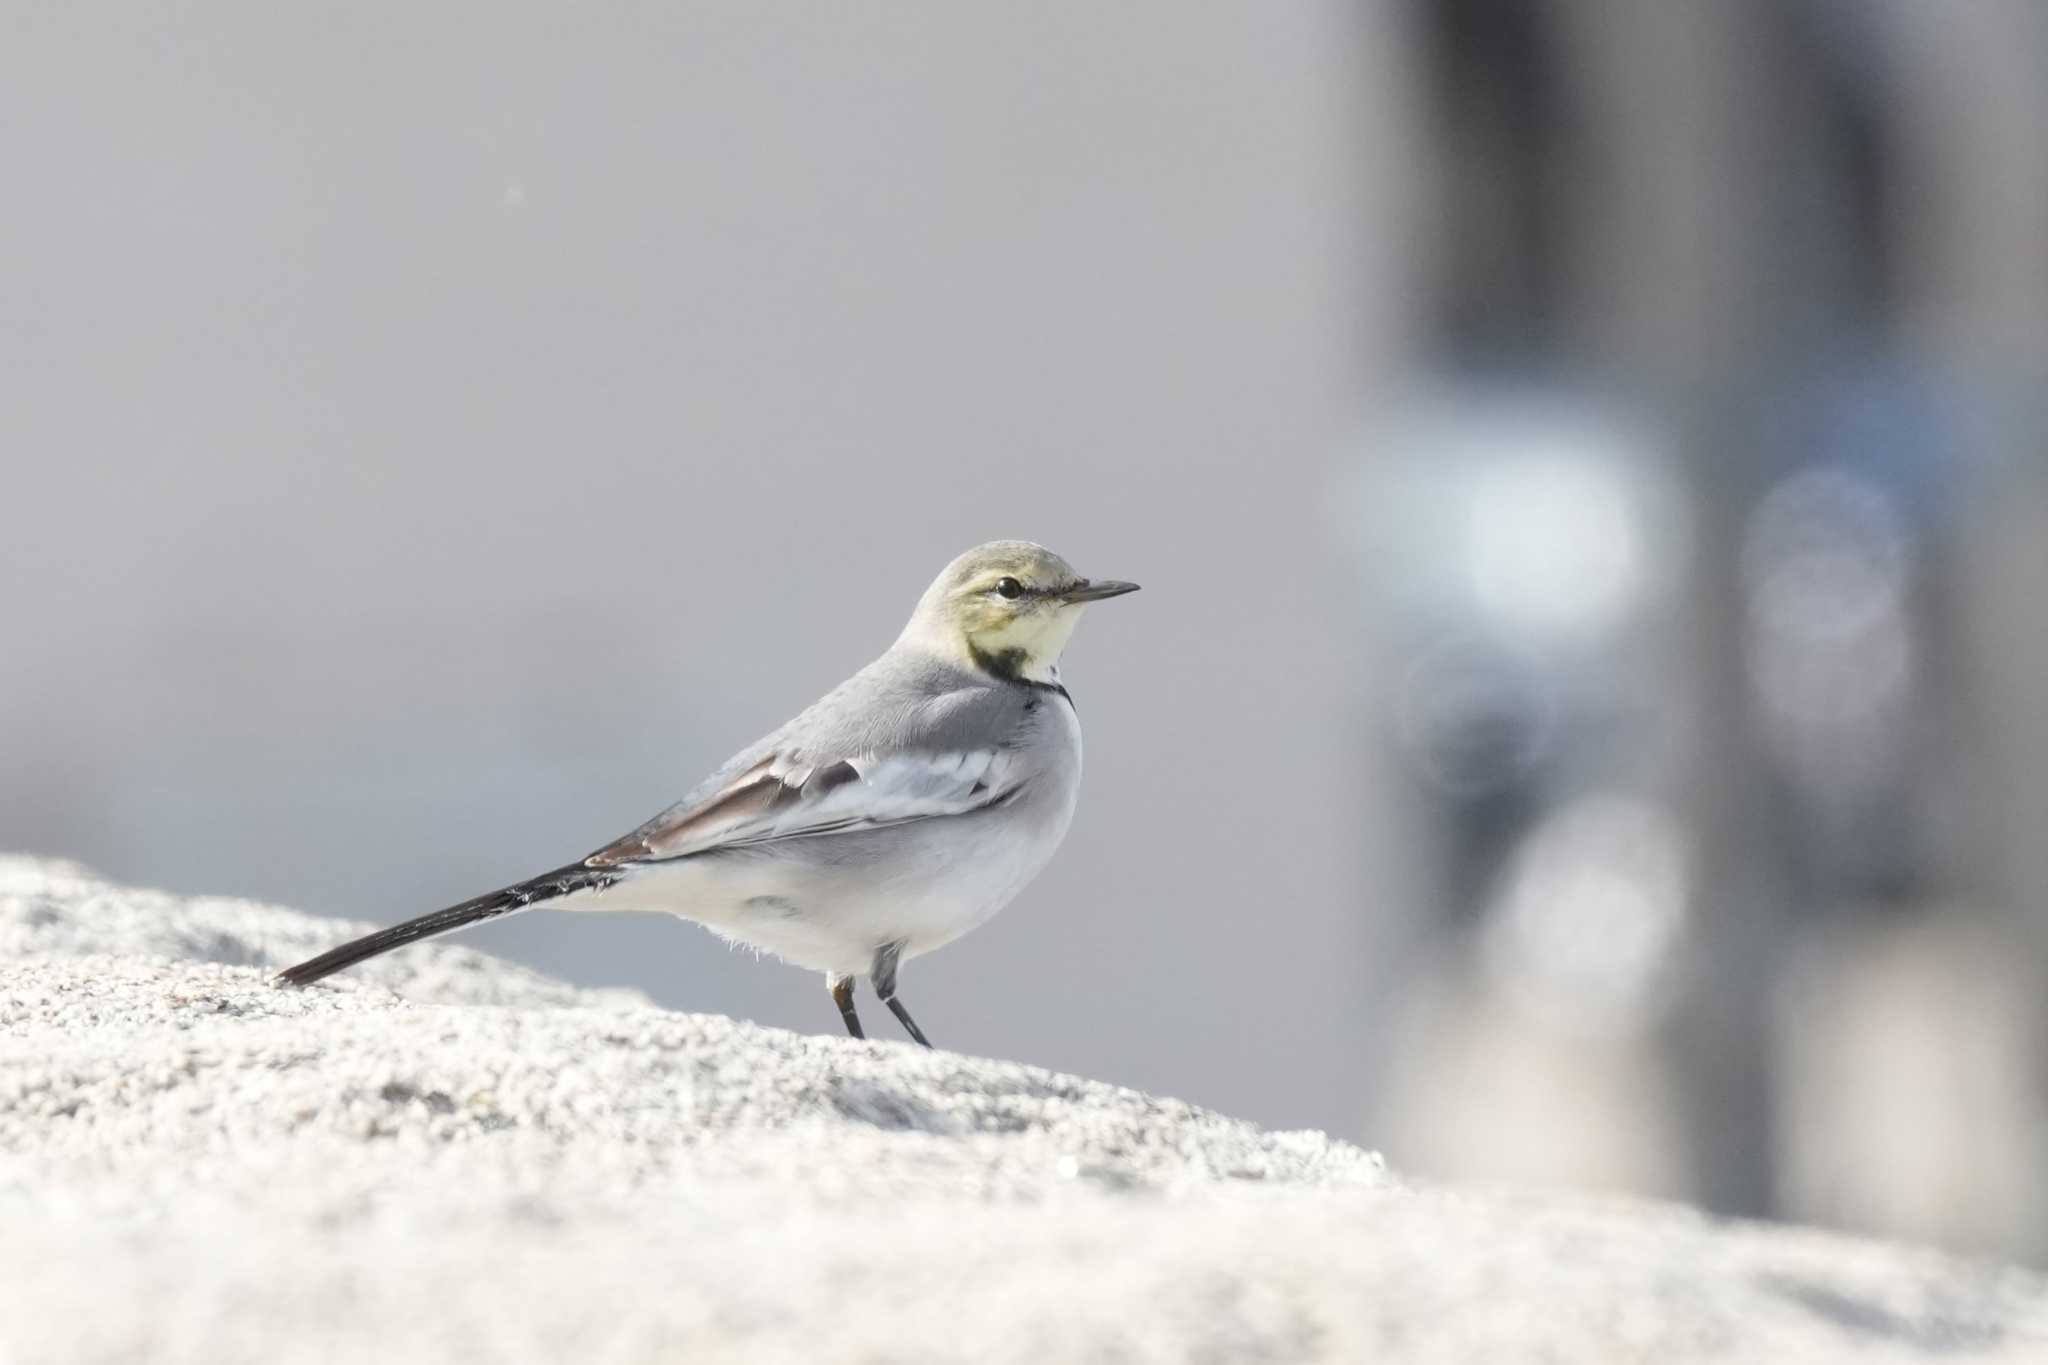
(782,797)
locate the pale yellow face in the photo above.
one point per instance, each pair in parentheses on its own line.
(1008,607)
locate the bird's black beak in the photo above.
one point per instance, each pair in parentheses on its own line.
(1096,591)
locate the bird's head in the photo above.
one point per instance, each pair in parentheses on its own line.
(1006,607)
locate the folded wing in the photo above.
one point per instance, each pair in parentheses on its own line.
(786,796)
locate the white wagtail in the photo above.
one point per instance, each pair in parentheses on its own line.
(904,808)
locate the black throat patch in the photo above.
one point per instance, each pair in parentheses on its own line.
(1008,664)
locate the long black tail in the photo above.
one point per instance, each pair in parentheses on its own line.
(510,900)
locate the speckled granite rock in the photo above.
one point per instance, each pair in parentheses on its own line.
(444,1157)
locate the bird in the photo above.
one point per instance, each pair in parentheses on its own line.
(899,811)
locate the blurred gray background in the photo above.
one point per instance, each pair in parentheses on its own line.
(1585,723)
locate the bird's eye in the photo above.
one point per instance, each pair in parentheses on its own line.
(1009,587)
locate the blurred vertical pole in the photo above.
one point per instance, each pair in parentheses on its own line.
(1681,288)
(1611,174)
(1974,223)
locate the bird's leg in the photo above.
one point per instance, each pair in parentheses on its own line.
(842,996)
(909,1024)
(883,974)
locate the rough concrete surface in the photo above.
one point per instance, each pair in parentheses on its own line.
(444,1157)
